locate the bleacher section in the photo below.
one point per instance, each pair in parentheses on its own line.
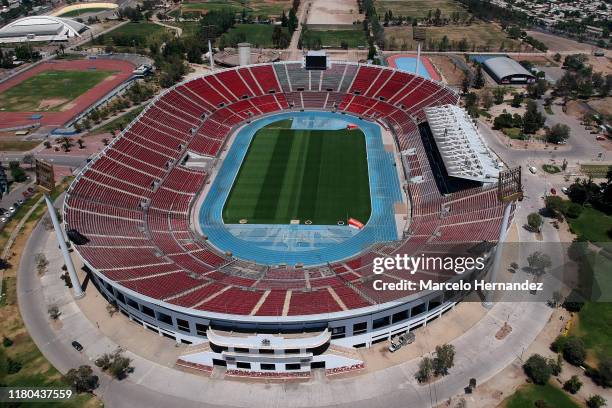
(133,202)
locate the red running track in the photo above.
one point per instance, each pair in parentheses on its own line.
(124,71)
(433,73)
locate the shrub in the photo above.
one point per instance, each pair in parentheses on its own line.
(572,385)
(574,351)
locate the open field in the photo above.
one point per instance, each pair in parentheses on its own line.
(316,175)
(334,38)
(594,327)
(258,7)
(76,13)
(50,90)
(259,35)
(343,12)
(557,43)
(527,395)
(17,145)
(595,170)
(480,37)
(139,33)
(417,8)
(592,225)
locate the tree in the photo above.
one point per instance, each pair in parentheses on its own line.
(572,385)
(574,351)
(537,89)
(66,143)
(539,262)
(28,159)
(517,100)
(596,401)
(558,133)
(425,370)
(115,364)
(444,360)
(532,119)
(498,94)
(80,143)
(479,80)
(537,369)
(604,372)
(82,379)
(486,99)
(534,220)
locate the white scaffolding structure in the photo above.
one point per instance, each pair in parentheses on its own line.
(464,152)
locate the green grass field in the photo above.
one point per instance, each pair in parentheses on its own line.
(595,329)
(334,38)
(592,225)
(527,395)
(257,7)
(316,175)
(76,13)
(259,35)
(49,90)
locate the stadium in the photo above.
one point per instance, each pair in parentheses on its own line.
(241,212)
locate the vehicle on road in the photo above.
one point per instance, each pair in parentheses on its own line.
(533,170)
(12,209)
(77,346)
(565,190)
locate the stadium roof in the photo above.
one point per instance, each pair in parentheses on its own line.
(464,152)
(504,67)
(41,28)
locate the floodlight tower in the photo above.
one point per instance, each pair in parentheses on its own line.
(418,35)
(208,33)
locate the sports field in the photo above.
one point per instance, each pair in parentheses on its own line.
(49,90)
(288,174)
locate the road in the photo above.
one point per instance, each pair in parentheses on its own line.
(155,385)
(293,51)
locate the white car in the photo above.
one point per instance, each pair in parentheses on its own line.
(3,219)
(12,209)
(565,190)
(533,170)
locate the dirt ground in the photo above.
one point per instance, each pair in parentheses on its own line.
(333,12)
(602,105)
(601,64)
(556,43)
(445,65)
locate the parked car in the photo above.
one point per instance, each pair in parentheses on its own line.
(31,190)
(77,346)
(3,219)
(12,209)
(401,340)
(20,202)
(565,190)
(533,170)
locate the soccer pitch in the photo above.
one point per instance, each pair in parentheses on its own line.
(288,174)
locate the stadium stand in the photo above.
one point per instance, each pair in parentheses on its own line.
(133,201)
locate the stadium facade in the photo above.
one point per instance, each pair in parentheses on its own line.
(41,28)
(130,213)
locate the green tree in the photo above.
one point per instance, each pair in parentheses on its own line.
(534,220)
(558,133)
(537,369)
(596,401)
(82,379)
(532,119)
(425,370)
(498,94)
(479,80)
(572,385)
(444,359)
(574,351)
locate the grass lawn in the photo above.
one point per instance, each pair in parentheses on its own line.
(514,133)
(334,38)
(593,225)
(132,34)
(416,8)
(190,28)
(595,170)
(17,145)
(36,371)
(483,36)
(316,175)
(258,7)
(49,90)
(527,395)
(594,327)
(76,13)
(259,35)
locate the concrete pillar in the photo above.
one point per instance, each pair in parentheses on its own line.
(497,256)
(418,59)
(210,56)
(244,54)
(76,285)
